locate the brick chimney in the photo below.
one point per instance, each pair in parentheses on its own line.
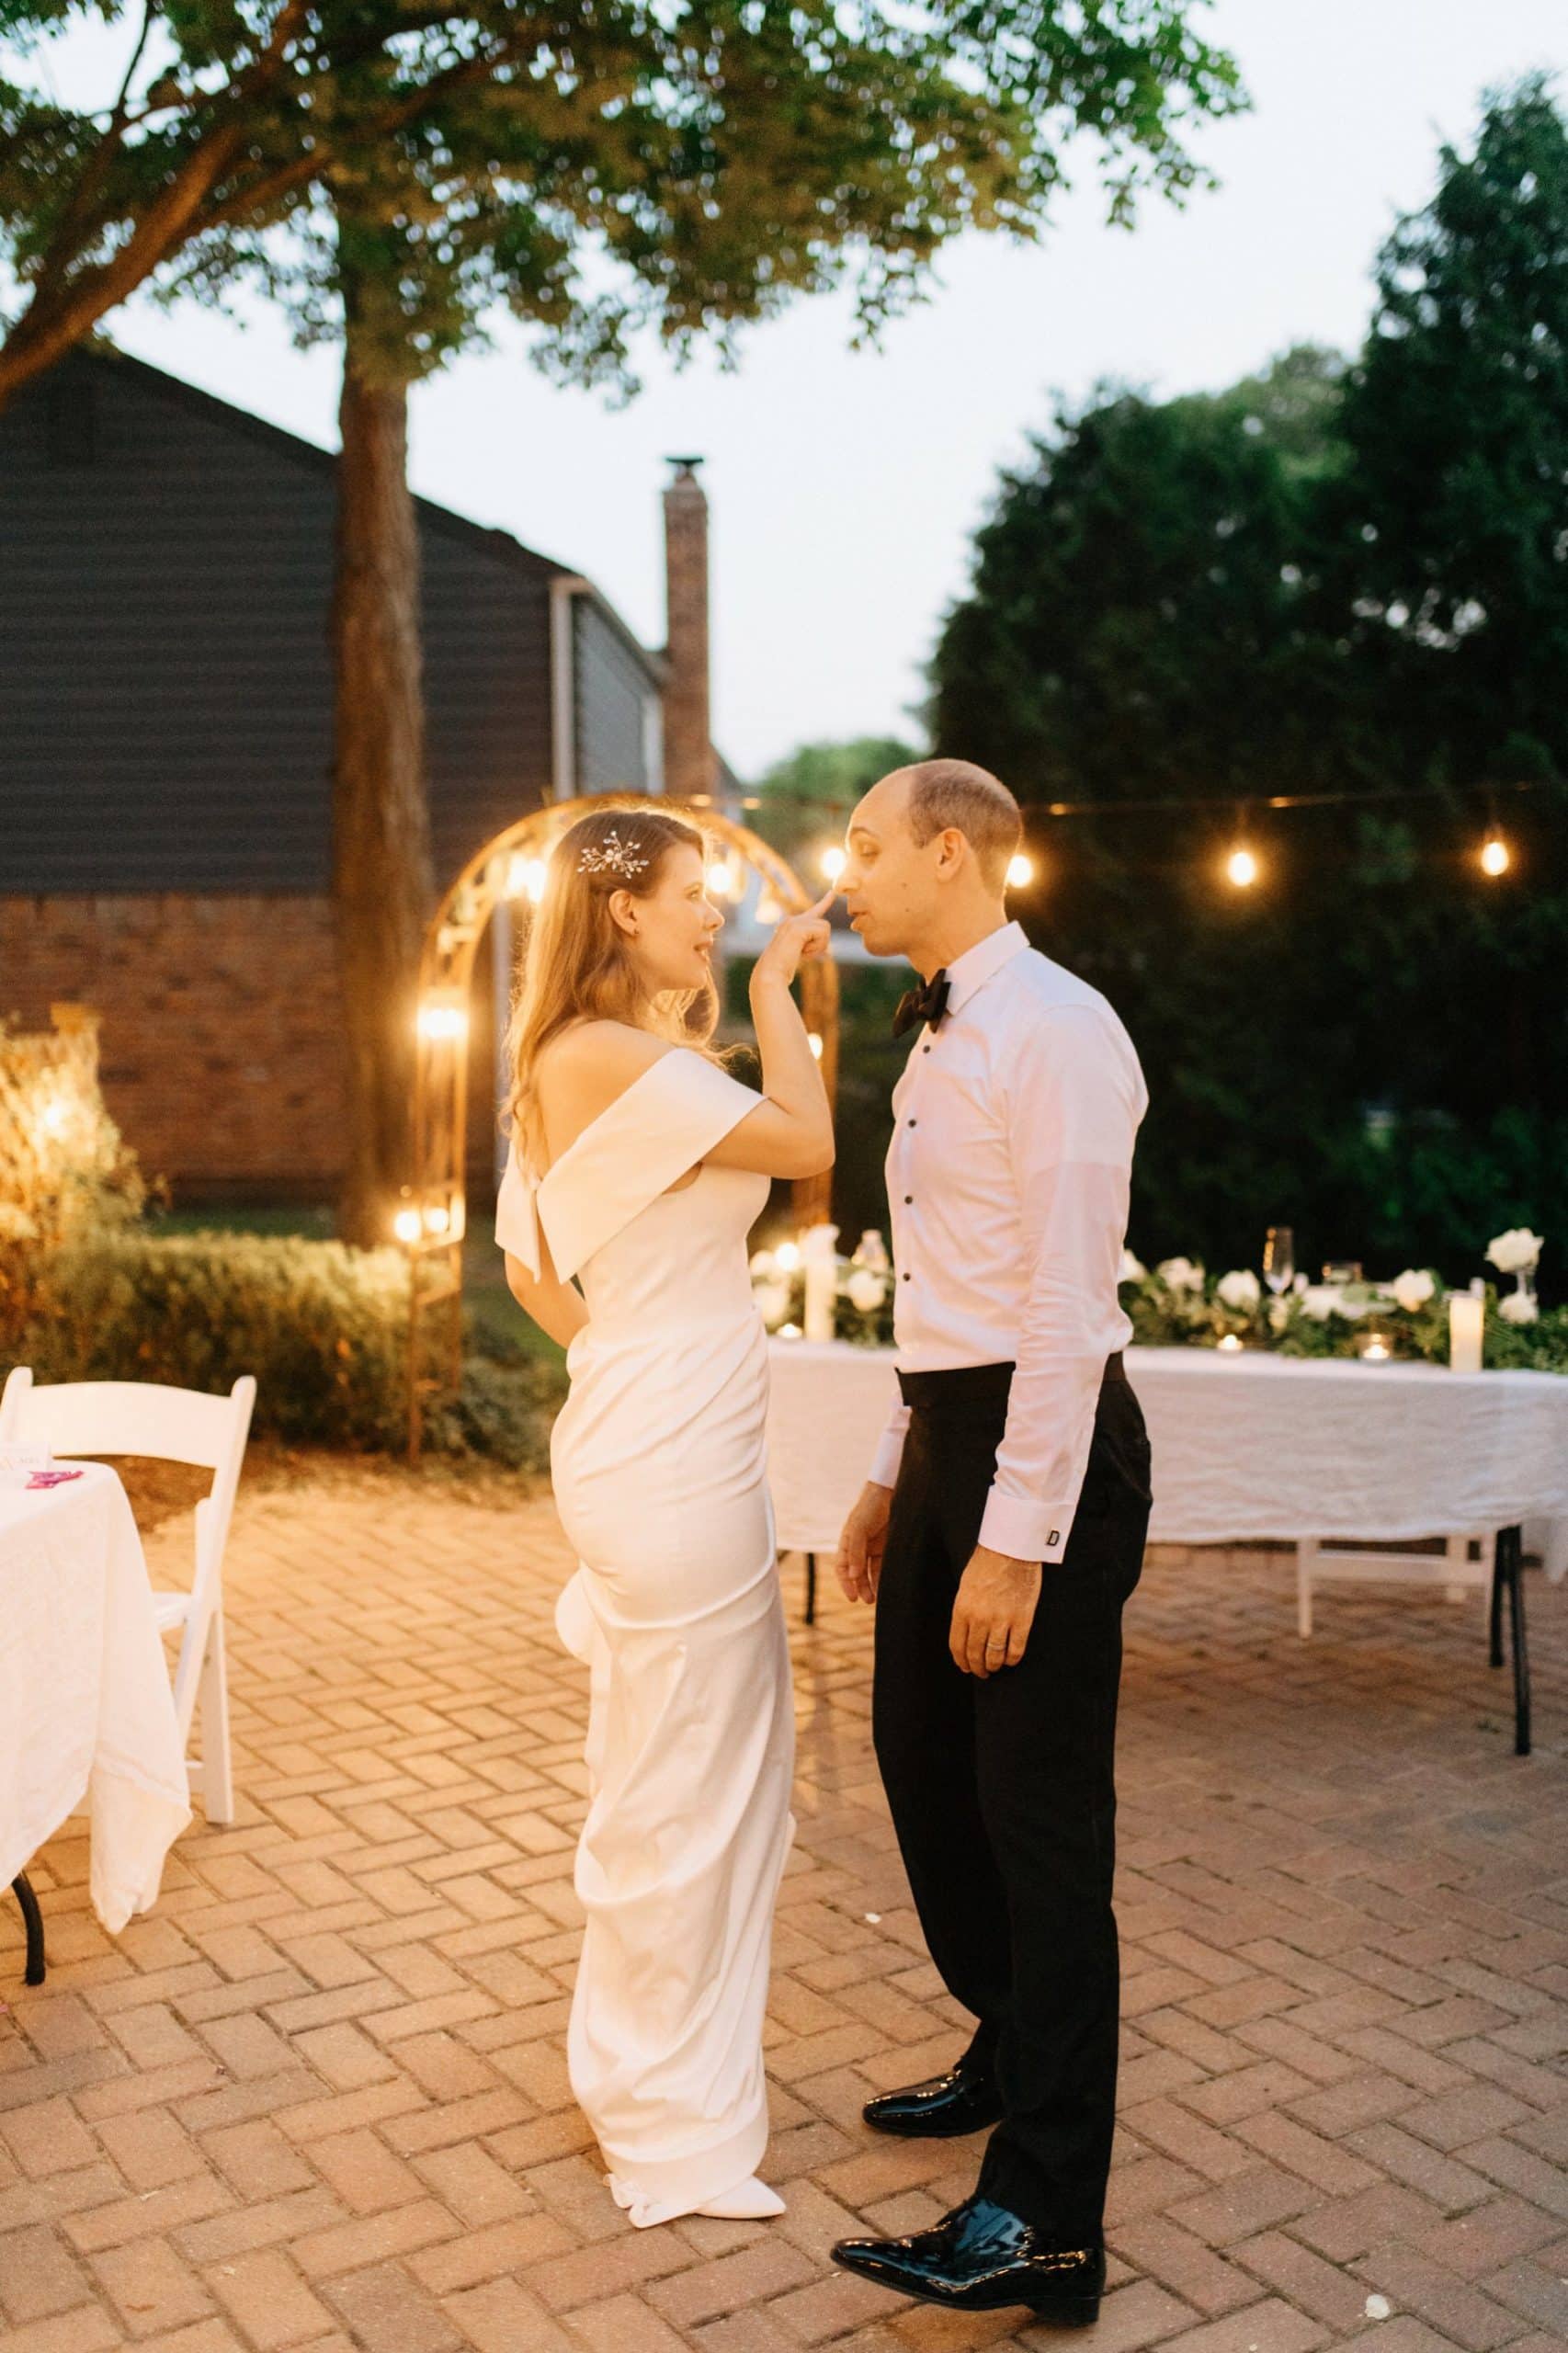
(690,766)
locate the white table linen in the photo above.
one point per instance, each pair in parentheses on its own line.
(87,1710)
(1245,1447)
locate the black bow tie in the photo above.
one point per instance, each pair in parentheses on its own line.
(929,1004)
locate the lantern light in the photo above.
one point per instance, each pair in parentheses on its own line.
(1240,867)
(438,1217)
(1020,872)
(405,1225)
(1496,855)
(442,1021)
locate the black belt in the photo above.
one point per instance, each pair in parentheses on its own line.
(976,1382)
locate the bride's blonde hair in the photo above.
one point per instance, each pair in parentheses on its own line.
(575,965)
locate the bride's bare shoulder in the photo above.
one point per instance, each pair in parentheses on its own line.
(583,1070)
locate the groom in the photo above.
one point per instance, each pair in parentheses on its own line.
(1000,1533)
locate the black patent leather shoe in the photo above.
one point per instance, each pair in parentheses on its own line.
(964,2100)
(981,2257)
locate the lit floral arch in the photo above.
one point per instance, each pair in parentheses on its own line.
(432,1217)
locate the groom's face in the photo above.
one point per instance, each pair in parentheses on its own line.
(889,882)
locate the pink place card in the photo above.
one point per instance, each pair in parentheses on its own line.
(51,1478)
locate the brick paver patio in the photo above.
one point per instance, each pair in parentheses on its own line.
(317,2099)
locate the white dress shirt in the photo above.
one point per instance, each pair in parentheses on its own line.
(1008,1176)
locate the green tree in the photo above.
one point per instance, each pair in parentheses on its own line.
(1321,580)
(803,795)
(598,172)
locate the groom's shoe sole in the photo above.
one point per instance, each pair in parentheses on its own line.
(1053,2312)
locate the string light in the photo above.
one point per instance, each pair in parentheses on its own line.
(1240,867)
(1020,872)
(1496,855)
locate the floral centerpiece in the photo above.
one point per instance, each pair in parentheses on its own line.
(1179,1302)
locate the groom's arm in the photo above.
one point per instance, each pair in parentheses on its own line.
(1072,1114)
(884,1471)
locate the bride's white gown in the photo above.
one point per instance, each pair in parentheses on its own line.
(658,1465)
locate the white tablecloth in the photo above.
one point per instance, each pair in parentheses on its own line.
(1244,1447)
(87,1710)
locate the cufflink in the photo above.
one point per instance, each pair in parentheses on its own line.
(1054,1538)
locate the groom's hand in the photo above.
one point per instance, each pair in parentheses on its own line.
(994,1612)
(859,1561)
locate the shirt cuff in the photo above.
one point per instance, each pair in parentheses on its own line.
(1024,1530)
(884,1471)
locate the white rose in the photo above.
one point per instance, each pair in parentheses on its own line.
(1519,1247)
(763,1266)
(1133,1269)
(1319,1300)
(866,1288)
(1180,1274)
(1240,1288)
(1300,1284)
(1413,1288)
(1517,1307)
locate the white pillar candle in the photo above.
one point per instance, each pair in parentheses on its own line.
(822,1279)
(1466,1318)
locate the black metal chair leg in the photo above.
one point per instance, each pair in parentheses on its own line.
(811,1588)
(1495,1651)
(1519,1643)
(32,1920)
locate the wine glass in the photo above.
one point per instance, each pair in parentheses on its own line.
(1278,1258)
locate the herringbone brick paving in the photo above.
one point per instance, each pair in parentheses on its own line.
(316,2100)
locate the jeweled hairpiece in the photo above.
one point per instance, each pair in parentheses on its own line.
(612,856)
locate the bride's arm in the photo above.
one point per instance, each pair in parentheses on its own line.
(791,1132)
(556,1307)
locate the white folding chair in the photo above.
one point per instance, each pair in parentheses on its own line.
(97,1417)
(1452,1568)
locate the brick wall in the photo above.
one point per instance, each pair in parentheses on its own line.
(221,1057)
(221,1061)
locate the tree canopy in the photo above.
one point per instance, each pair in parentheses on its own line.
(1332,578)
(599,165)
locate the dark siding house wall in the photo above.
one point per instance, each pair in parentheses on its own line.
(165,576)
(611,685)
(165,686)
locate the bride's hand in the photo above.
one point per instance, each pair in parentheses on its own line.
(797,939)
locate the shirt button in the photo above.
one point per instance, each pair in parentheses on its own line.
(913,1123)
(906,1278)
(924,1049)
(907,1199)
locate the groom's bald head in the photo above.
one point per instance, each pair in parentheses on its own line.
(936,796)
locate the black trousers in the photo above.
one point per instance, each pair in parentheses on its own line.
(1002,1792)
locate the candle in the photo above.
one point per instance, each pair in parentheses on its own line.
(1230,1344)
(1376,1351)
(821,1280)
(1466,1316)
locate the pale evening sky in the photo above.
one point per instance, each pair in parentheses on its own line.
(844,486)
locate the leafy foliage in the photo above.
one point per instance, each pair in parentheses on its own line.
(596,168)
(1327,579)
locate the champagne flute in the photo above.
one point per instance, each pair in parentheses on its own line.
(1278,1258)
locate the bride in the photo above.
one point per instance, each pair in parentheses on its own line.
(639,1165)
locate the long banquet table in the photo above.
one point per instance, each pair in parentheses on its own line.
(1247,1447)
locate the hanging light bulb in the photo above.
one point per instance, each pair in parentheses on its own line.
(1020,872)
(833,862)
(1496,855)
(723,879)
(1240,867)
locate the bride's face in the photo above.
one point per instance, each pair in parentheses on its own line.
(671,932)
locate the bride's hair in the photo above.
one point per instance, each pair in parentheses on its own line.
(575,965)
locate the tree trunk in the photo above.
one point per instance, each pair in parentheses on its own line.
(382,888)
